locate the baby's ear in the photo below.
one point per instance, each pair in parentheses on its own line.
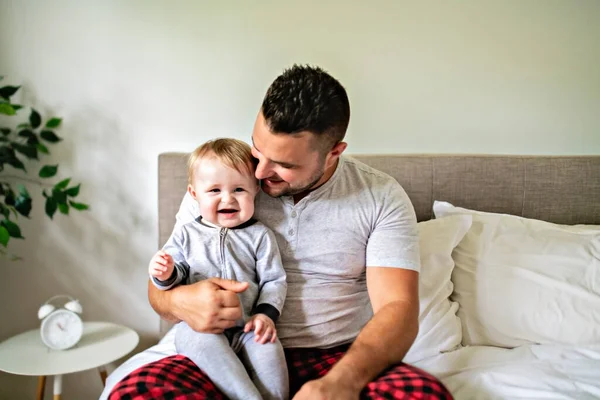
(191,191)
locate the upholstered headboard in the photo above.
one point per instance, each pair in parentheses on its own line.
(558,189)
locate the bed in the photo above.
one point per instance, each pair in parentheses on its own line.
(510,287)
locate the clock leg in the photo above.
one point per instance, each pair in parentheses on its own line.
(103,374)
(41,387)
(57,386)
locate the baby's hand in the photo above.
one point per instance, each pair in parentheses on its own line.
(264,328)
(161,266)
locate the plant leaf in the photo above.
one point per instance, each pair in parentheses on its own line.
(7,109)
(8,156)
(5,131)
(4,236)
(49,136)
(53,123)
(48,171)
(23,202)
(7,91)
(9,197)
(79,206)
(6,152)
(42,149)
(35,119)
(12,228)
(22,190)
(28,151)
(30,135)
(63,208)
(73,191)
(50,207)
(59,196)
(62,184)
(16,163)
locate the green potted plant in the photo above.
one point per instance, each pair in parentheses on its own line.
(21,147)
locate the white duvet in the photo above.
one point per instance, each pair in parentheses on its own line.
(478,372)
(526,372)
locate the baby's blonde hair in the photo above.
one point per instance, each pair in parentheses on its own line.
(231,152)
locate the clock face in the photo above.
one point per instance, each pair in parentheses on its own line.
(61,329)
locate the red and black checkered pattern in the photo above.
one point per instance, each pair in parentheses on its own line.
(173,378)
(177,378)
(400,382)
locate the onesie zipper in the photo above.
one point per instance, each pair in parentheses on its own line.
(225,271)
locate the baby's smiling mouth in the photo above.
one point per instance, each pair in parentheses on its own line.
(227,211)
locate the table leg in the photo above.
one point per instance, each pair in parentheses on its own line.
(57,386)
(41,387)
(102,370)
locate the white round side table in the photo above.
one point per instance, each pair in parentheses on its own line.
(101,343)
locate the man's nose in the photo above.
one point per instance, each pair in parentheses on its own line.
(262,170)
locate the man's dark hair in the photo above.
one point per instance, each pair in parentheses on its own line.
(306,98)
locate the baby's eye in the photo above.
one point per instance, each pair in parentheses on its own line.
(215,190)
(239,190)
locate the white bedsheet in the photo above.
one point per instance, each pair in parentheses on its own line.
(478,372)
(527,372)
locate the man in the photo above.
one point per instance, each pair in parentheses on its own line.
(349,244)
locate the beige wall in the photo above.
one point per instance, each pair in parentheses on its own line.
(134,78)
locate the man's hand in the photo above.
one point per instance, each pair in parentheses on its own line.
(208,306)
(325,389)
(264,328)
(161,266)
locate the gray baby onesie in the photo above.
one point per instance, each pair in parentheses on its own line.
(235,363)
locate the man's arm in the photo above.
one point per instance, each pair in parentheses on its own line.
(384,340)
(387,337)
(208,306)
(161,302)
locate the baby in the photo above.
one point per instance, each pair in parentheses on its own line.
(225,242)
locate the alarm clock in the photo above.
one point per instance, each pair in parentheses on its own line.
(61,327)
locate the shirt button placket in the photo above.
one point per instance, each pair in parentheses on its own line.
(293,229)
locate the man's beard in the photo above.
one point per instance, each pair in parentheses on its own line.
(293,191)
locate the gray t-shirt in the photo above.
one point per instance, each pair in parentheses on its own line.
(359,218)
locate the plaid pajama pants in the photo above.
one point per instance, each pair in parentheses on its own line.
(177,378)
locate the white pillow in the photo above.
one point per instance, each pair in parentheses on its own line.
(439,327)
(522,281)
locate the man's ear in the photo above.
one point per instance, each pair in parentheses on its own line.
(191,191)
(335,153)
(338,149)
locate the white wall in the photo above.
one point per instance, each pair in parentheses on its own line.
(134,78)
